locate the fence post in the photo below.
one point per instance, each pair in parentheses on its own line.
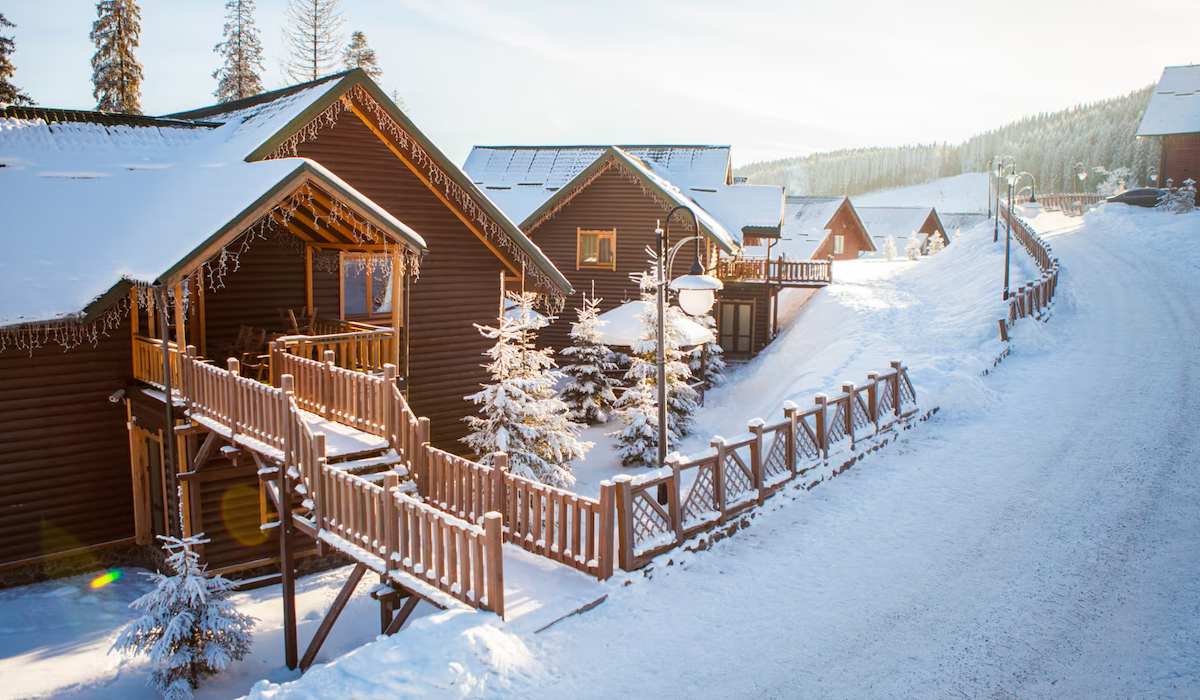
(755,426)
(789,412)
(273,367)
(873,398)
(624,508)
(391,525)
(317,481)
(607,498)
(234,368)
(674,508)
(493,551)
(821,417)
(848,389)
(420,460)
(1003,331)
(718,443)
(389,412)
(327,397)
(499,486)
(184,379)
(899,367)
(287,385)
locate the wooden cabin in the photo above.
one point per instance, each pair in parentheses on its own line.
(900,223)
(594,209)
(222,230)
(1173,116)
(132,249)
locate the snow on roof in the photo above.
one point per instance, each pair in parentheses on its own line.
(805,224)
(86,205)
(743,209)
(1175,105)
(622,326)
(897,222)
(724,237)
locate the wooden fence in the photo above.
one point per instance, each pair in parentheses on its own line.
(1034,297)
(778,270)
(148,362)
(246,408)
(359,347)
(735,475)
(555,523)
(1074,204)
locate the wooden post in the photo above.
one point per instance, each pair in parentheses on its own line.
(201,313)
(327,384)
(605,552)
(848,389)
(755,426)
(286,569)
(308,281)
(493,549)
(822,416)
(673,506)
(180,318)
(231,389)
(320,498)
(335,610)
(624,510)
(397,307)
(421,459)
(718,444)
(499,502)
(1003,330)
(390,420)
(899,367)
(789,412)
(873,398)
(391,528)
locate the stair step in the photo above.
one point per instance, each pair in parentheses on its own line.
(373,464)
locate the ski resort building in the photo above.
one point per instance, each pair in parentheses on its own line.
(1173,116)
(900,223)
(594,210)
(312,231)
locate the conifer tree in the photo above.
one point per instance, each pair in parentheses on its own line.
(712,370)
(313,36)
(520,412)
(360,55)
(240,74)
(116,73)
(189,628)
(9,94)
(936,244)
(912,249)
(889,248)
(589,389)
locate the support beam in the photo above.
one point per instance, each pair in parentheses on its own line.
(180,318)
(397,305)
(308,281)
(287,569)
(339,603)
(403,615)
(205,452)
(201,316)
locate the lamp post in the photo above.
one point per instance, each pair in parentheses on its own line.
(1081,173)
(998,165)
(1013,180)
(697,293)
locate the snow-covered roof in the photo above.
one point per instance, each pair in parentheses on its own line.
(86,205)
(897,222)
(1175,105)
(805,224)
(522,180)
(622,326)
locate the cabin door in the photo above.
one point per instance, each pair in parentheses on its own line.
(149,485)
(736,326)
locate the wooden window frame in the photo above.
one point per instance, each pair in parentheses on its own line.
(343,258)
(839,244)
(753,304)
(601,234)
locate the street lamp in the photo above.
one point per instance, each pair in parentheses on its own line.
(697,293)
(1032,185)
(1081,173)
(999,163)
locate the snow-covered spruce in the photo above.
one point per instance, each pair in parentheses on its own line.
(520,412)
(188,626)
(116,72)
(637,441)
(710,370)
(9,94)
(359,54)
(589,389)
(889,248)
(936,244)
(240,74)
(912,249)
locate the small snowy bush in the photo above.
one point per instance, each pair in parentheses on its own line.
(912,249)
(889,248)
(188,626)
(589,389)
(936,244)
(711,372)
(1179,200)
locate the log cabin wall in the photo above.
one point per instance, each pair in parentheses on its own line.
(1180,159)
(844,223)
(612,200)
(763,298)
(64,451)
(458,286)
(932,224)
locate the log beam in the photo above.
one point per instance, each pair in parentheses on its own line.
(339,604)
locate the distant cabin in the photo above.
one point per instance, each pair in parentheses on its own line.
(820,228)
(1173,116)
(901,223)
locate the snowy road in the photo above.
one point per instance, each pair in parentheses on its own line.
(1049,546)
(1040,537)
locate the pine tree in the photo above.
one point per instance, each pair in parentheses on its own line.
(240,74)
(637,441)
(711,370)
(9,94)
(520,412)
(359,55)
(912,249)
(314,36)
(889,248)
(589,390)
(189,628)
(936,244)
(116,73)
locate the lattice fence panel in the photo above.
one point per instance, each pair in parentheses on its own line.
(738,480)
(836,428)
(861,417)
(885,398)
(701,499)
(648,523)
(806,444)
(775,466)
(908,397)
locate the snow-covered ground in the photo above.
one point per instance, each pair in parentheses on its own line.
(961,193)
(1038,538)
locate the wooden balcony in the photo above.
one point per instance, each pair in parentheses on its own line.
(778,271)
(148,361)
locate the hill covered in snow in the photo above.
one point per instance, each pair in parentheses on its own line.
(959,193)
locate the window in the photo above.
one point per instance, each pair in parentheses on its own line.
(735,326)
(839,244)
(366,285)
(596,249)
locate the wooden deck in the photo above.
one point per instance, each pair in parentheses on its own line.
(777,271)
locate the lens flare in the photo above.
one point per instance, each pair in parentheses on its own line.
(110,576)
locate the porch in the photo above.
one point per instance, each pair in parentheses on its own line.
(776,271)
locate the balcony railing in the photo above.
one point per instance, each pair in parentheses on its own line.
(778,270)
(148,361)
(361,347)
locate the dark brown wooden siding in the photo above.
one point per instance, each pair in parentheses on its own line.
(931,224)
(844,223)
(64,451)
(613,200)
(459,283)
(1180,158)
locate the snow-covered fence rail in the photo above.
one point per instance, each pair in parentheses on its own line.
(246,408)
(1035,296)
(555,523)
(657,512)
(1074,204)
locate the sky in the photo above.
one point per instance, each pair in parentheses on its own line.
(772,79)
